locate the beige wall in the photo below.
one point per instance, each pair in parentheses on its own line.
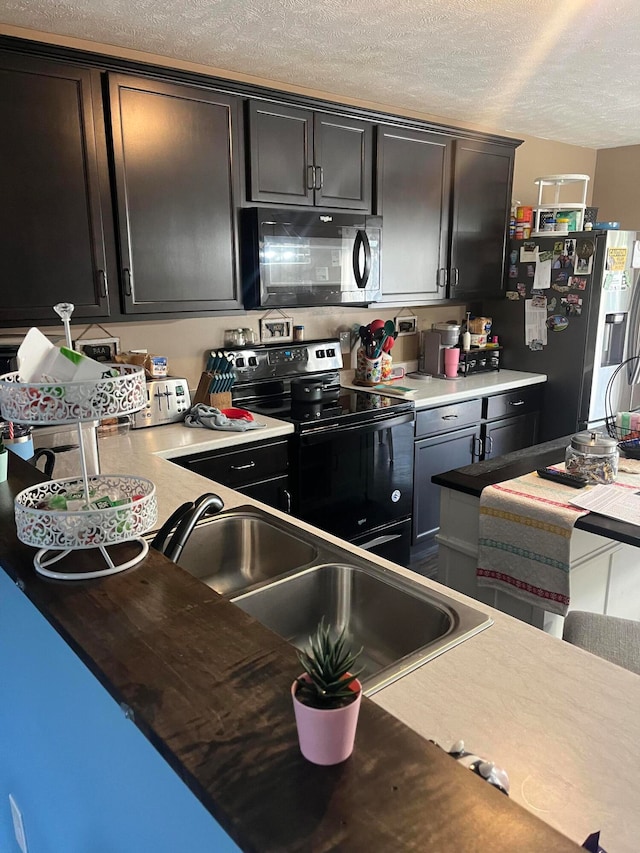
(617,186)
(537,157)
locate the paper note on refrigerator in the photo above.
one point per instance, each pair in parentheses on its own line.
(542,278)
(535,323)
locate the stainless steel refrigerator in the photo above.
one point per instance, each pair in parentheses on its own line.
(573,313)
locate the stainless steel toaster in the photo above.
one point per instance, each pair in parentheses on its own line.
(168,401)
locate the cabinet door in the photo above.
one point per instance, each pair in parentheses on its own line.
(281,154)
(435,456)
(413,198)
(509,434)
(53,215)
(175,152)
(343,162)
(482,179)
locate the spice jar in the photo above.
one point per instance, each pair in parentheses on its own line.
(593,456)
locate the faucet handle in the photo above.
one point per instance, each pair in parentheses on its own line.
(207,504)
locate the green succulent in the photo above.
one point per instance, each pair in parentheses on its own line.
(327,663)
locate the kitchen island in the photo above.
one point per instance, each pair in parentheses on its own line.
(604,559)
(208,687)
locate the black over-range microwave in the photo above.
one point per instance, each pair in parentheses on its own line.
(300,257)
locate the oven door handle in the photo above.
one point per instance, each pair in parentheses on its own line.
(320,434)
(380,540)
(361,241)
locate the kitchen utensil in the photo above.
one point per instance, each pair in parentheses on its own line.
(306,390)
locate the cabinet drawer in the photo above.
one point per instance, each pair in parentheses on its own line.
(445,418)
(516,402)
(240,466)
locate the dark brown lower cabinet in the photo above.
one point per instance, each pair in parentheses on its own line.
(259,470)
(459,434)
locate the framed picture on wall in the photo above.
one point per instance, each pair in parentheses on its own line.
(99,349)
(275,329)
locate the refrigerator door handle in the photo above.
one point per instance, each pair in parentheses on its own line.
(633,337)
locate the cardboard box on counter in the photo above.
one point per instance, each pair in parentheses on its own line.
(155,366)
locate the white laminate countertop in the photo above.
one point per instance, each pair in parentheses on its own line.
(438,392)
(563,723)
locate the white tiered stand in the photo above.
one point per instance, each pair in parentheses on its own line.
(56,533)
(557,182)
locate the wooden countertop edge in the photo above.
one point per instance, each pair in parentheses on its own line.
(186,665)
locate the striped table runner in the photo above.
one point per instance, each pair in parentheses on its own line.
(525,538)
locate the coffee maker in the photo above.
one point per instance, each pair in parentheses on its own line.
(433,343)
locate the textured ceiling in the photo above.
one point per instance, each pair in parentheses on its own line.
(566,70)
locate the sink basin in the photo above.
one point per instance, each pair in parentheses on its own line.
(238,550)
(400,624)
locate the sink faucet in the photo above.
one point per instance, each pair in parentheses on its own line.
(207,504)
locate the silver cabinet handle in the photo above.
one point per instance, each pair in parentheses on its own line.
(442,278)
(243,467)
(516,402)
(319,180)
(311,177)
(456,276)
(489,449)
(128,281)
(477,453)
(102,283)
(448,417)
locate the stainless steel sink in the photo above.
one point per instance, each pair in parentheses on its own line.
(288,579)
(238,550)
(400,624)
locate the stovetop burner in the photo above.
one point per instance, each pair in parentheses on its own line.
(337,407)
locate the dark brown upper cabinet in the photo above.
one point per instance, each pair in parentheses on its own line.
(482,181)
(175,151)
(414,174)
(302,157)
(445,206)
(55,214)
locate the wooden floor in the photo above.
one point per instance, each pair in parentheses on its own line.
(425,562)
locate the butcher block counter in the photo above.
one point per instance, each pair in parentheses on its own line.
(560,721)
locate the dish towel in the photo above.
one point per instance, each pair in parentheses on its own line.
(525,539)
(212,418)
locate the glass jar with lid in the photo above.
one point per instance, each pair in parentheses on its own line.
(593,456)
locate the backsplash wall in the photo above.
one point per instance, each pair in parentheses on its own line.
(186,342)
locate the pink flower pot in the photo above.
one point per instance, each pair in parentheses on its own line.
(326,736)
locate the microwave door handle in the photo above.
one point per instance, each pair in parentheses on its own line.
(361,241)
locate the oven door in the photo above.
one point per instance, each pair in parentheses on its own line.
(350,480)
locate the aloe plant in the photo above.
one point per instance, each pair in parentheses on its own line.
(329,666)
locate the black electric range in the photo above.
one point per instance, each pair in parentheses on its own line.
(351,456)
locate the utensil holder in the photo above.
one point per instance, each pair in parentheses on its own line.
(368,370)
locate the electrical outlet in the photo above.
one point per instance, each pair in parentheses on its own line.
(18,825)
(345,341)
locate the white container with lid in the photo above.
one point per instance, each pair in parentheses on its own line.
(593,456)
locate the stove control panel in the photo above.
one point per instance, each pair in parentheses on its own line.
(286,360)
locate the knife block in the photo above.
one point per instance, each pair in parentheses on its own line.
(221,400)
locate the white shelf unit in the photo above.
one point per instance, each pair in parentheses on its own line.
(58,532)
(557,182)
